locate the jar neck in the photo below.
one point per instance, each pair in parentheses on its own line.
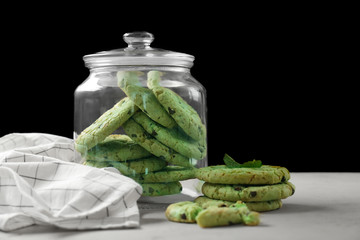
(139,68)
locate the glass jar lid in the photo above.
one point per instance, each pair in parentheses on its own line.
(138,52)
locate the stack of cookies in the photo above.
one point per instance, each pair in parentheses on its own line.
(261,189)
(164,139)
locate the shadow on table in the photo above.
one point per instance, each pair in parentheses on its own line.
(39,229)
(143,207)
(288,208)
(146,221)
(59,232)
(152,213)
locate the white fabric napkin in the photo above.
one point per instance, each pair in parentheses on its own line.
(42,183)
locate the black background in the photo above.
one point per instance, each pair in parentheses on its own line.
(276,87)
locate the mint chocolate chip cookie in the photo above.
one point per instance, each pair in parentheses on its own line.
(206,202)
(184,115)
(168,174)
(222,216)
(212,215)
(105,125)
(184,212)
(174,138)
(144,139)
(248,193)
(131,167)
(264,206)
(143,98)
(265,174)
(215,216)
(160,189)
(117,147)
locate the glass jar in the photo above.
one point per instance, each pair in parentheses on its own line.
(142,112)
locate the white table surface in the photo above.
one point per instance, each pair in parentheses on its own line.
(324,206)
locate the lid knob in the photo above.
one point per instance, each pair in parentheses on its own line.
(138,39)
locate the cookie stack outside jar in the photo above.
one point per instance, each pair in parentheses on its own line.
(142,112)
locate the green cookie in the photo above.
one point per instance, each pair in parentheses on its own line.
(167,174)
(266,174)
(173,138)
(132,167)
(206,202)
(249,217)
(144,139)
(212,215)
(264,206)
(143,98)
(161,189)
(184,115)
(248,193)
(105,125)
(185,212)
(215,216)
(222,216)
(117,148)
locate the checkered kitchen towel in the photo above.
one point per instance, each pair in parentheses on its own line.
(41,183)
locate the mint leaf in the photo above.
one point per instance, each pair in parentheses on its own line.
(231,163)
(252,164)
